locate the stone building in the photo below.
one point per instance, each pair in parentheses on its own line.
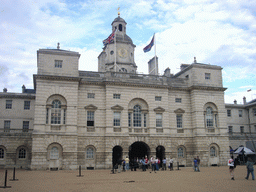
(94,118)
(241,122)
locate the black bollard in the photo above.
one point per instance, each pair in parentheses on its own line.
(178,166)
(5,181)
(13,178)
(79,172)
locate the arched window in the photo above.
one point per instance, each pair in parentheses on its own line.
(213,152)
(22,153)
(180,152)
(120,27)
(1,153)
(89,153)
(209,117)
(54,153)
(56,112)
(137,116)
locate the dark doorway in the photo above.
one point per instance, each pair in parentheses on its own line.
(160,153)
(139,150)
(116,154)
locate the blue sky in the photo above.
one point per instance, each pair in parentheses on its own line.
(216,32)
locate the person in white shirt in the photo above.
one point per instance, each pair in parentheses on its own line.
(171,164)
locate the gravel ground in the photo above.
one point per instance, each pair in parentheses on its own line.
(185,179)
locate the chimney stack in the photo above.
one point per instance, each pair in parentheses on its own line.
(5,90)
(235,102)
(167,72)
(244,99)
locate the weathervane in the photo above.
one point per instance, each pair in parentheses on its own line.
(118,11)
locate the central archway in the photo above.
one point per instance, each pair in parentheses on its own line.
(117,154)
(138,150)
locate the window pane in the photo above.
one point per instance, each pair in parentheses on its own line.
(145,120)
(54,153)
(58,63)
(158,120)
(56,112)
(116,96)
(180,152)
(209,117)
(178,100)
(212,152)
(22,153)
(179,121)
(26,105)
(207,76)
(129,119)
(89,153)
(1,153)
(25,126)
(7,125)
(136,116)
(8,104)
(117,117)
(229,113)
(90,118)
(91,95)
(158,98)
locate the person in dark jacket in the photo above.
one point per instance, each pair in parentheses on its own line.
(250,169)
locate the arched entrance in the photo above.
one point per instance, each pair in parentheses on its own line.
(138,150)
(117,154)
(160,153)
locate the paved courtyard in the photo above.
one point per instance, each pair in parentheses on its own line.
(185,179)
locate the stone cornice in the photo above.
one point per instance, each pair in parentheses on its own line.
(59,78)
(17,95)
(179,110)
(208,88)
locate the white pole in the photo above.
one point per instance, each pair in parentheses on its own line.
(115,51)
(155,53)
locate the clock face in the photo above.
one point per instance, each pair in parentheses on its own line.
(122,53)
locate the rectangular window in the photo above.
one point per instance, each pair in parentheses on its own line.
(116,96)
(90,118)
(47,115)
(8,104)
(117,118)
(240,113)
(254,111)
(91,95)
(129,119)
(230,129)
(158,98)
(207,75)
(241,129)
(64,116)
(26,105)
(178,100)
(145,120)
(58,63)
(229,113)
(7,125)
(25,126)
(179,121)
(159,120)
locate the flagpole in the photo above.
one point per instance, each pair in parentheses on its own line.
(155,53)
(115,50)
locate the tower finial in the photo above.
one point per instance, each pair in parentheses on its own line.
(195,60)
(118,11)
(58,45)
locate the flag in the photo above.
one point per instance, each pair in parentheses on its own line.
(249,90)
(110,38)
(149,46)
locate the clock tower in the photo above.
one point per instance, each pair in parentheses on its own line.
(118,56)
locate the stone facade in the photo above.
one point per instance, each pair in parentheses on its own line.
(94,118)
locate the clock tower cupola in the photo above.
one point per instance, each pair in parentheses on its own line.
(118,55)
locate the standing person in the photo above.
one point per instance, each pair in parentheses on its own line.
(119,163)
(127,163)
(143,162)
(164,164)
(152,162)
(146,161)
(232,166)
(135,163)
(123,165)
(156,163)
(198,163)
(195,164)
(171,164)
(250,169)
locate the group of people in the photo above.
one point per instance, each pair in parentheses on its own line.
(249,166)
(144,163)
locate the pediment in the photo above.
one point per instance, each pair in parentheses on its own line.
(91,107)
(159,109)
(117,108)
(179,111)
